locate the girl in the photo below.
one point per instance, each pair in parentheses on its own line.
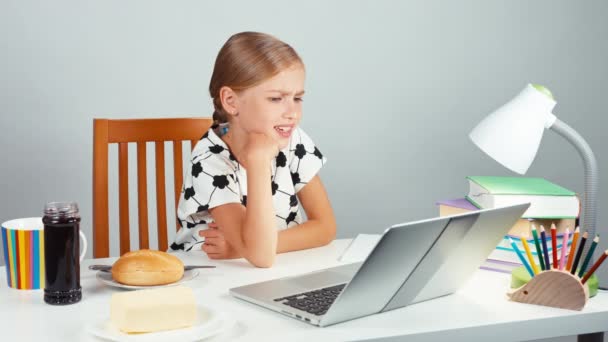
(253,168)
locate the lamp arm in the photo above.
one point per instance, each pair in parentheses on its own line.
(588,215)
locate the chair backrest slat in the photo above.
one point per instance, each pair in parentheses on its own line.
(161,198)
(178,173)
(123,197)
(142,195)
(101,232)
(140,131)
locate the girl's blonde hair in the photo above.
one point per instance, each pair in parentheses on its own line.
(245,60)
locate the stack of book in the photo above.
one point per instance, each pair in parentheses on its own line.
(549,204)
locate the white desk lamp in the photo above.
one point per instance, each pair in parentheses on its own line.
(511,135)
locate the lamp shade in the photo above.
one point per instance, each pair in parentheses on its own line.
(512,133)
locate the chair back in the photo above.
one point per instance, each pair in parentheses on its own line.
(139,131)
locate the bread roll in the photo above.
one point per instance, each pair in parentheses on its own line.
(147,267)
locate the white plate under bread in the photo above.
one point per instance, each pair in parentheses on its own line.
(209,323)
(106,278)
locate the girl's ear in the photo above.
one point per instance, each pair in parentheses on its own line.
(229,100)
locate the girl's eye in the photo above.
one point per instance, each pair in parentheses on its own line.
(299,99)
(275,99)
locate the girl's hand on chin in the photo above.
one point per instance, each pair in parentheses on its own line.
(260,147)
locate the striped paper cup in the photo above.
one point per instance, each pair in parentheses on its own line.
(23,244)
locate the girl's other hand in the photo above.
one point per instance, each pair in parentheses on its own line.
(260,147)
(215,244)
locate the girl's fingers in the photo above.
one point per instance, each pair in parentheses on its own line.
(207,233)
(210,248)
(214,256)
(215,241)
(209,241)
(213,225)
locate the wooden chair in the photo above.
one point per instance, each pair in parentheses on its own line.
(105,132)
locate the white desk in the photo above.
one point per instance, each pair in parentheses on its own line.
(479,311)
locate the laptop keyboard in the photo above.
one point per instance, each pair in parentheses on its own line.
(316,302)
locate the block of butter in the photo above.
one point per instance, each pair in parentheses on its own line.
(153,310)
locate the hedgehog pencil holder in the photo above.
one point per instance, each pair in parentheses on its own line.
(555,288)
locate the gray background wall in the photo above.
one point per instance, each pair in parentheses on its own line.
(393,89)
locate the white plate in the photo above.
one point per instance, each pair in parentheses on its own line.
(210,323)
(106,278)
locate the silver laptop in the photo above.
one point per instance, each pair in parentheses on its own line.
(411,262)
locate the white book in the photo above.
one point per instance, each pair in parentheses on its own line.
(547,200)
(508,256)
(499,266)
(505,244)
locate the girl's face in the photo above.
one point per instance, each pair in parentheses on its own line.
(273,107)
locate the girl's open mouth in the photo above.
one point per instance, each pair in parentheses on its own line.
(284,130)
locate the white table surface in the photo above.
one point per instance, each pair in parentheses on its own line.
(480,310)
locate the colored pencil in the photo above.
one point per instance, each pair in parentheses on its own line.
(543,240)
(539,252)
(589,256)
(562,259)
(554,244)
(579,252)
(521,257)
(595,266)
(529,254)
(572,248)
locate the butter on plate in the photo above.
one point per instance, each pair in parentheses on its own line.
(153,310)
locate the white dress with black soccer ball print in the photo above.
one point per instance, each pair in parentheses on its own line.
(215,178)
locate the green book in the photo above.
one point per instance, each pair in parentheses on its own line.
(547,200)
